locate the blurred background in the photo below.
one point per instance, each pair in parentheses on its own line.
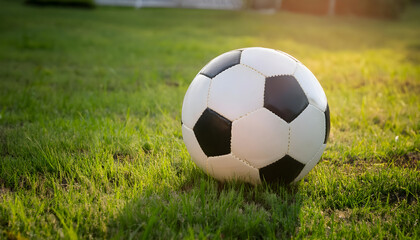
(371,8)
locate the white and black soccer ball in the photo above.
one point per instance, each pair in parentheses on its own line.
(255,114)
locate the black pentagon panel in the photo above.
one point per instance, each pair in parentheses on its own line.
(221,63)
(283,171)
(213,133)
(327,124)
(284,97)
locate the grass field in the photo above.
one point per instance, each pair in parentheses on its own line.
(90,134)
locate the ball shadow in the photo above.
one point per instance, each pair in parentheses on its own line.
(204,207)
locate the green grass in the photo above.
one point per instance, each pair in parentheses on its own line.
(91,143)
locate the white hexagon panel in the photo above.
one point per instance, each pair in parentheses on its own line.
(236,92)
(311,87)
(228,167)
(269,62)
(195,100)
(307,133)
(260,138)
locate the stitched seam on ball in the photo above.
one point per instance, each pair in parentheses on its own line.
(306,94)
(278,75)
(211,82)
(300,85)
(294,71)
(277,115)
(313,157)
(187,127)
(208,93)
(243,64)
(242,160)
(247,114)
(226,69)
(303,89)
(263,95)
(233,123)
(318,107)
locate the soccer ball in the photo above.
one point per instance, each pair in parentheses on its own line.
(255,114)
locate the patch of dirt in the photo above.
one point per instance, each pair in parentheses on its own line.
(409,86)
(172,84)
(122,157)
(188,185)
(343,215)
(408,160)
(340,214)
(3,190)
(400,196)
(39,186)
